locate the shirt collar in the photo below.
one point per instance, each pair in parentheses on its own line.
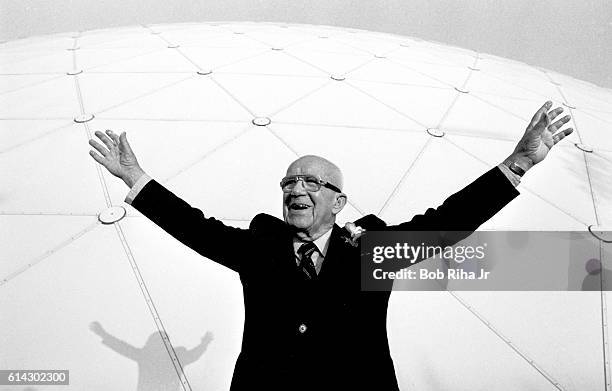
(322,243)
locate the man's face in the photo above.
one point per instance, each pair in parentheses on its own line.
(311,212)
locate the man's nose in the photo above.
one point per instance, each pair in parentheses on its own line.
(299,188)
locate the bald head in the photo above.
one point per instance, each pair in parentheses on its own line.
(317,166)
(313,213)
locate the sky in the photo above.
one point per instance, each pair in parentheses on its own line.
(573,37)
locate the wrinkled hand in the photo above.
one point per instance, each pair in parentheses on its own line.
(540,136)
(118,157)
(207,338)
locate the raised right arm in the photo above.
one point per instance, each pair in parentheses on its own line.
(206,235)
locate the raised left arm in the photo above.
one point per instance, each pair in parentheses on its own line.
(540,136)
(463,212)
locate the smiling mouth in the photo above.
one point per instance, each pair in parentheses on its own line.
(299,206)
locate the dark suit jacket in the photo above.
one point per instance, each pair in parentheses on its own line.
(343,345)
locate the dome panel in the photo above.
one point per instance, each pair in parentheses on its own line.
(600,167)
(69,291)
(417,106)
(57,98)
(582,89)
(330,45)
(536,84)
(593,131)
(390,72)
(10,83)
(504,67)
(450,76)
(430,180)
(572,343)
(46,233)
(96,39)
(331,63)
(402,148)
(266,95)
(91,59)
(215,177)
(191,36)
(52,42)
(127,87)
(274,39)
(218,58)
(196,98)
(272,62)
(188,143)
(58,61)
(367,43)
(570,178)
(531,213)
(55,182)
(518,107)
(140,38)
(16,133)
(412,51)
(227,39)
(455,55)
(481,82)
(162,60)
(434,366)
(588,101)
(471,115)
(339,104)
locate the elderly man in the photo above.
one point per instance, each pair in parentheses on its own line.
(308,325)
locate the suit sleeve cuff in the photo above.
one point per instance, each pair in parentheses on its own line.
(140,183)
(512,177)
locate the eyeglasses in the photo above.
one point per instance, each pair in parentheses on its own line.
(311,183)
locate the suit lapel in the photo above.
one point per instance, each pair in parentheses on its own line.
(335,254)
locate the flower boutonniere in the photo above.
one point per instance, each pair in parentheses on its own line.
(354,233)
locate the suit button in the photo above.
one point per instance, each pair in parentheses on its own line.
(302,329)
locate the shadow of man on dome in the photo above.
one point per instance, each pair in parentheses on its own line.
(598,278)
(155,369)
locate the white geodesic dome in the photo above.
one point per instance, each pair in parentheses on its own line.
(190,97)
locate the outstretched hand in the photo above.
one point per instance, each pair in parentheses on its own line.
(540,136)
(207,338)
(97,328)
(118,157)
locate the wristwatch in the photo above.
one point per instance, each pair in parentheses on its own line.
(515,168)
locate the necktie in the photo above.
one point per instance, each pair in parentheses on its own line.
(306,265)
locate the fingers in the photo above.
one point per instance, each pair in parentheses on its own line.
(105,139)
(103,151)
(537,116)
(541,125)
(113,136)
(555,113)
(97,158)
(562,134)
(124,145)
(558,124)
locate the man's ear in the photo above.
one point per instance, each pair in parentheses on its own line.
(339,203)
